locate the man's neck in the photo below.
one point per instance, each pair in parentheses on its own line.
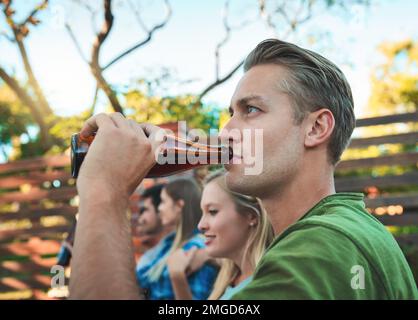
(296,198)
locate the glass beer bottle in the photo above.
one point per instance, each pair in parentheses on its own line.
(174,156)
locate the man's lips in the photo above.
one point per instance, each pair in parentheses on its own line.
(236,159)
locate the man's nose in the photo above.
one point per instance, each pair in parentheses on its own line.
(230,133)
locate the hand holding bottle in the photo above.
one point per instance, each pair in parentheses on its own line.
(172,154)
(120,156)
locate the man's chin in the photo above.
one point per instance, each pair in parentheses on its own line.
(237,181)
(235,168)
(233,172)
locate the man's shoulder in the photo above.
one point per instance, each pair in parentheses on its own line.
(348,221)
(318,253)
(338,228)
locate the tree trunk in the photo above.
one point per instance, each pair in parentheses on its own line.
(46,142)
(43,103)
(101,81)
(95,65)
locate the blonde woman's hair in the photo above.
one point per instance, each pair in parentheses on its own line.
(188,191)
(259,239)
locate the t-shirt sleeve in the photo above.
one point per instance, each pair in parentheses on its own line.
(201,282)
(197,241)
(313,262)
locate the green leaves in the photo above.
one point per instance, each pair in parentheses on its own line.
(395,82)
(143,107)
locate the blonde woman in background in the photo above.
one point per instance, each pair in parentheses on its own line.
(237,233)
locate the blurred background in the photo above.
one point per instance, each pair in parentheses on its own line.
(62,61)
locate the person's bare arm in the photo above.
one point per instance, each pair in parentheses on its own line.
(117,161)
(181,286)
(103,261)
(177,264)
(200,258)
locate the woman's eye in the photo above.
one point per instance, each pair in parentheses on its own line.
(213,211)
(252,109)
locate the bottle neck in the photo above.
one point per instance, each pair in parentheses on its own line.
(180,151)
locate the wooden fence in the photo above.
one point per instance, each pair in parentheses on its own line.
(38,197)
(39,202)
(392,197)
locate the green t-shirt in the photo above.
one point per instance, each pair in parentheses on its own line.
(335,251)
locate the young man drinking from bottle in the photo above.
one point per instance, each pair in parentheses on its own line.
(327,246)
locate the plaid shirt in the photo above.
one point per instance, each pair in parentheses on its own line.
(200,282)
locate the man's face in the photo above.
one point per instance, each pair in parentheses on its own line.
(149,220)
(258,103)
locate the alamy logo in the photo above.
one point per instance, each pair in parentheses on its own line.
(58,280)
(357,281)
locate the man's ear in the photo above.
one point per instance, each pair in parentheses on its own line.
(319,127)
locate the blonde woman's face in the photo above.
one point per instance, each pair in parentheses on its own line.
(226,231)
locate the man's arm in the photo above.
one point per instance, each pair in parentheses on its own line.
(117,161)
(103,262)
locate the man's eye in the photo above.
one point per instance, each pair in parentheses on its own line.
(252,109)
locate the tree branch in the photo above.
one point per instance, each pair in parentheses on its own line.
(27,100)
(92,11)
(95,65)
(138,17)
(308,14)
(148,37)
(220,81)
(10,39)
(31,16)
(265,15)
(7,10)
(224,40)
(292,22)
(46,109)
(228,29)
(18,33)
(76,44)
(100,38)
(104,32)
(93,105)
